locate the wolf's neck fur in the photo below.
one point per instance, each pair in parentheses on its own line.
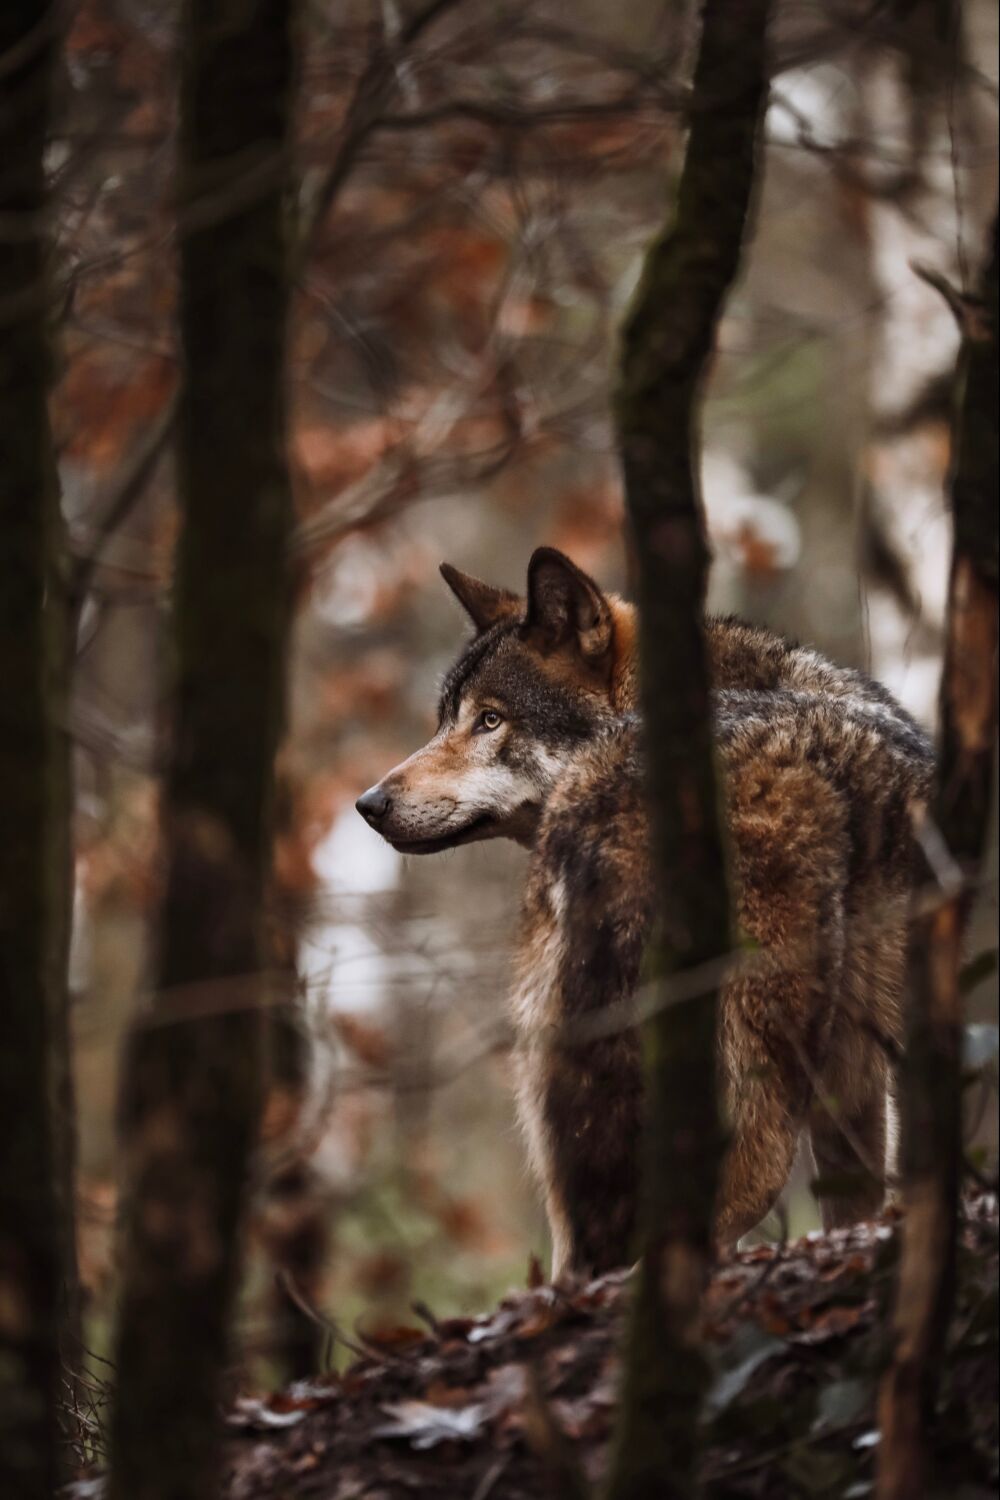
(750,658)
(739,656)
(625,667)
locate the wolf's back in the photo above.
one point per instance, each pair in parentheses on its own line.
(852,772)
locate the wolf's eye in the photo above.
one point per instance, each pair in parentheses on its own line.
(488,719)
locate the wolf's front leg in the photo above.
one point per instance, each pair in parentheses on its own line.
(586,916)
(581,1106)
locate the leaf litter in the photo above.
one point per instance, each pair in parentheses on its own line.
(796,1338)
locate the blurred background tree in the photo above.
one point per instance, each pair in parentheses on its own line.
(193,1071)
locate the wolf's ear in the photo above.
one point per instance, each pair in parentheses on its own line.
(483,603)
(566,608)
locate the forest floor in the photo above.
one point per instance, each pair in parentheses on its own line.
(520,1404)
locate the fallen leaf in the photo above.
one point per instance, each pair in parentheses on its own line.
(505,1389)
(841,1402)
(834,1322)
(438,1394)
(424,1425)
(400,1337)
(497,1326)
(540,1322)
(255,1415)
(751,1347)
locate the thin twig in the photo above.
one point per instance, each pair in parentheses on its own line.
(125,495)
(968,311)
(294,1292)
(376,85)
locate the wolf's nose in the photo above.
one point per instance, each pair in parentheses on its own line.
(373,805)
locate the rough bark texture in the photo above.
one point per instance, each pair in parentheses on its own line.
(33,782)
(668,341)
(959,816)
(192,1079)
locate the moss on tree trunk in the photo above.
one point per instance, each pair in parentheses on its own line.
(668,340)
(192,1077)
(959,817)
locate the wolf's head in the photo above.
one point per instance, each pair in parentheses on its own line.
(541,676)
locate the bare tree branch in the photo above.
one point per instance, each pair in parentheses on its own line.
(376,85)
(126,492)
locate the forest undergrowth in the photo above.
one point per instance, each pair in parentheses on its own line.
(520,1402)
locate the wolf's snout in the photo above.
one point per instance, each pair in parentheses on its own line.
(373,805)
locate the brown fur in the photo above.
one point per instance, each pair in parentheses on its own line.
(823,774)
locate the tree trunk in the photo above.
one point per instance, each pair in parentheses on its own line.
(192,1077)
(958,822)
(34,811)
(669,337)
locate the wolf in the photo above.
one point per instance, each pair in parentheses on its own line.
(823,778)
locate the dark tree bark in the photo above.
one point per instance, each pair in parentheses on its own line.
(959,817)
(669,337)
(35,1200)
(192,1077)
